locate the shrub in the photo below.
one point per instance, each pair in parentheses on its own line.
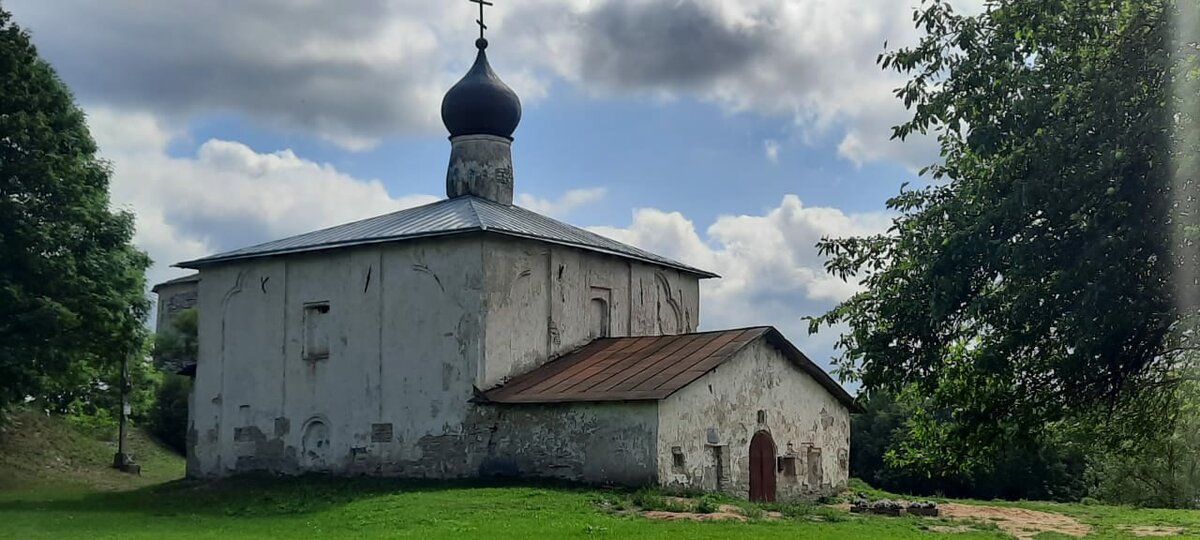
(169,416)
(708,504)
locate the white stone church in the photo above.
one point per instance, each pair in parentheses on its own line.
(471,337)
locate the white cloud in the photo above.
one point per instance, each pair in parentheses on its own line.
(770,270)
(813,61)
(225,196)
(771,149)
(372,69)
(563,205)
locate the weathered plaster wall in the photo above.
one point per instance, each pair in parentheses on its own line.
(599,443)
(540,302)
(798,413)
(404,326)
(406,336)
(172,299)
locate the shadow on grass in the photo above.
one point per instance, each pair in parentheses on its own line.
(265,496)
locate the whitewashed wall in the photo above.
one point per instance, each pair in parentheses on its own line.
(404,345)
(408,325)
(539,297)
(799,413)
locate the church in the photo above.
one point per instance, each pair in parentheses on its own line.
(474,338)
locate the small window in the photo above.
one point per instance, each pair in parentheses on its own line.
(787,465)
(316,331)
(677,457)
(762,416)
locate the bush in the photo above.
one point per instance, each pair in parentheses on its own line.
(98,423)
(708,504)
(168,419)
(652,500)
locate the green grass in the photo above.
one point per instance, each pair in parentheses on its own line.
(44,452)
(80,498)
(363,508)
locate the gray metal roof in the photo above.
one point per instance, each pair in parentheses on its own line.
(450,216)
(191,278)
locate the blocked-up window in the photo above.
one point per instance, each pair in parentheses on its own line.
(815,472)
(316,331)
(599,318)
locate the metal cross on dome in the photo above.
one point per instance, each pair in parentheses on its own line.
(479,21)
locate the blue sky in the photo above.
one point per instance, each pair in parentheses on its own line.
(682,155)
(729,134)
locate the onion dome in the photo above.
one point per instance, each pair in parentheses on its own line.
(480,103)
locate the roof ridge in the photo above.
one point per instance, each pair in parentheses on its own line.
(312,233)
(471,199)
(455,215)
(588,233)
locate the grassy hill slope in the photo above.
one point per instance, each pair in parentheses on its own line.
(45,452)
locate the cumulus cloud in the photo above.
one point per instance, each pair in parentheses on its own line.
(810,60)
(348,75)
(770,270)
(227,195)
(355,73)
(563,205)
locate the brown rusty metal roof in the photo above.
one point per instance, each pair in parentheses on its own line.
(645,368)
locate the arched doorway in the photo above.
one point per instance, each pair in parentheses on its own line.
(762,467)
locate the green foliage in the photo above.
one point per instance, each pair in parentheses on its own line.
(174,348)
(167,419)
(1164,473)
(1052,469)
(72,300)
(651,499)
(1043,284)
(708,504)
(90,398)
(176,345)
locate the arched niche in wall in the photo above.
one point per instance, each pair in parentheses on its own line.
(600,313)
(669,312)
(314,444)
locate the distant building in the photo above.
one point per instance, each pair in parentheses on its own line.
(471,337)
(174,296)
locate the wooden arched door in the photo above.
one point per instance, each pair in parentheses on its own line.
(762,467)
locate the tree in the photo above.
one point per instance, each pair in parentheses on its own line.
(1053,470)
(176,346)
(1163,473)
(1043,282)
(72,299)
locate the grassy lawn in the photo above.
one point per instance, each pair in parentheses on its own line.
(325,508)
(63,490)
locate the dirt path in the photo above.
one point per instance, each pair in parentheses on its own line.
(1018,522)
(1152,530)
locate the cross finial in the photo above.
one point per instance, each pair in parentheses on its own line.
(482,42)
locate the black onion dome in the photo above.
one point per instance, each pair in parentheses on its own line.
(480,103)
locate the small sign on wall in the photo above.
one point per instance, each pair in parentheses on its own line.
(381,433)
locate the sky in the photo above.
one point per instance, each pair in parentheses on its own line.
(731,135)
